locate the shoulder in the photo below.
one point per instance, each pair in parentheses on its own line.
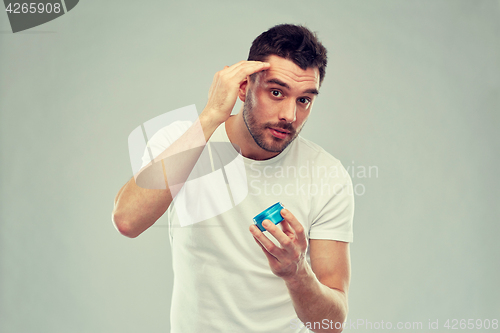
(319,161)
(307,149)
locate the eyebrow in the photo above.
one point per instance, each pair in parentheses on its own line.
(283,84)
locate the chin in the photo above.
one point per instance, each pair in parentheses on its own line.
(276,145)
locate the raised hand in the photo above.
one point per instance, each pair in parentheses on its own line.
(225,86)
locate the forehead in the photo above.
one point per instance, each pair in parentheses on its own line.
(287,71)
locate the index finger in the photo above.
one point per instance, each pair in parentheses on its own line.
(245,67)
(297,227)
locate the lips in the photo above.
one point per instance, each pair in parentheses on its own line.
(279,133)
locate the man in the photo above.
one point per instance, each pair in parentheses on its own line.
(223,282)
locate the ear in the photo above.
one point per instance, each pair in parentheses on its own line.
(242,92)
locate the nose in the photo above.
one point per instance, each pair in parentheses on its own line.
(288,112)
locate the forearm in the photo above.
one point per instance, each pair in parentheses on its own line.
(323,307)
(136,208)
(146,197)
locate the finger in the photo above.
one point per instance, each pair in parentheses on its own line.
(244,68)
(266,242)
(237,73)
(244,71)
(269,256)
(297,227)
(287,229)
(228,69)
(233,67)
(246,63)
(281,237)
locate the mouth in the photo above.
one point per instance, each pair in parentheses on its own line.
(279,132)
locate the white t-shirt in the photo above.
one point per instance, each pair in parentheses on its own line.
(222,279)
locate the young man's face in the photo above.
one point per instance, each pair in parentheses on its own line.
(278,103)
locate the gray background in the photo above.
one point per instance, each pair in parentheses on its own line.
(412,88)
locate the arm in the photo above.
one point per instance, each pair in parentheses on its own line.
(146,197)
(318,291)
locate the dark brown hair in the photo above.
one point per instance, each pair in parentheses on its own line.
(293,42)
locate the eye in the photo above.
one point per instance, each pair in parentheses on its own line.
(276,93)
(304,100)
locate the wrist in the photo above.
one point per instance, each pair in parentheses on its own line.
(208,123)
(302,277)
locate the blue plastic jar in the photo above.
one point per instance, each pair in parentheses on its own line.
(272,213)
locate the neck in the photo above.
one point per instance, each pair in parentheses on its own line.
(238,134)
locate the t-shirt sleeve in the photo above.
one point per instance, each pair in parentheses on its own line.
(334,207)
(162,139)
